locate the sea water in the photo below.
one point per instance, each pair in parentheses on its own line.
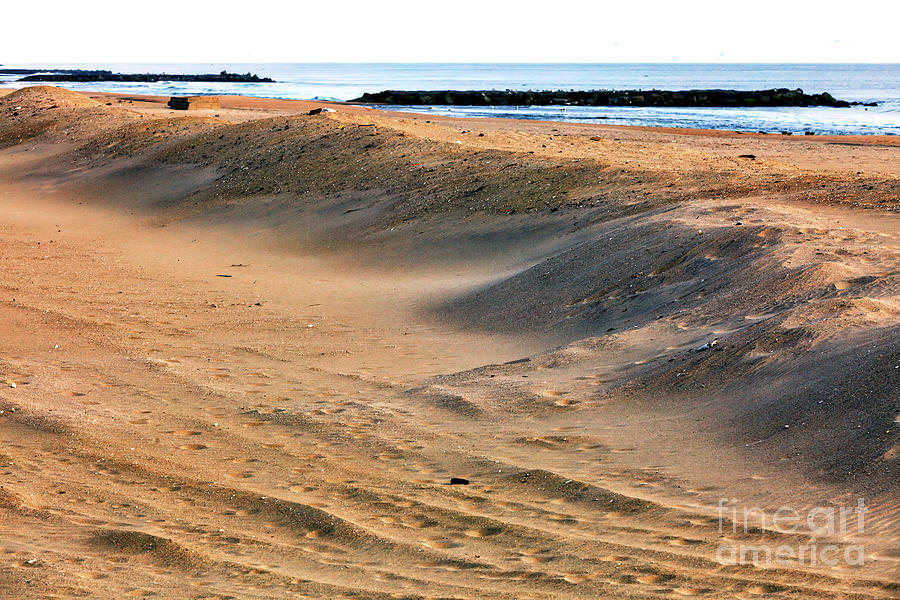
(344,81)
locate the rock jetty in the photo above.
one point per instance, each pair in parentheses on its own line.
(79,75)
(685,98)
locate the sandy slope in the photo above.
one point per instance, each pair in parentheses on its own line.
(250,348)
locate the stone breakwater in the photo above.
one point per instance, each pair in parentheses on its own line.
(686,98)
(100,75)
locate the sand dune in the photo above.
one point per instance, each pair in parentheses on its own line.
(245,352)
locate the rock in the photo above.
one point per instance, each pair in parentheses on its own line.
(459,481)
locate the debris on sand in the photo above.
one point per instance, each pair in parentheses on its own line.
(708,345)
(193,102)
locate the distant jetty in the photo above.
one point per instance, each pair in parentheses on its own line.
(21,71)
(685,98)
(80,75)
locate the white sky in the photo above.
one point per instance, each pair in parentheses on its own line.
(107,31)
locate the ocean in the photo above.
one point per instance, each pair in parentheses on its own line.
(344,81)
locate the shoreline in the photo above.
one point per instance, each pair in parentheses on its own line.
(298,106)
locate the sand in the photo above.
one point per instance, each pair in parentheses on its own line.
(244,351)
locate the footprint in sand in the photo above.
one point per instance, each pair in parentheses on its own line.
(687,591)
(562,519)
(565,402)
(137,593)
(389,457)
(302,489)
(654,579)
(414,521)
(442,544)
(193,447)
(536,560)
(681,542)
(762,590)
(613,558)
(481,532)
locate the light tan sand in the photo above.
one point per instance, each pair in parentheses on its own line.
(250,348)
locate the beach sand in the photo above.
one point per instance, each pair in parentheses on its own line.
(246,350)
